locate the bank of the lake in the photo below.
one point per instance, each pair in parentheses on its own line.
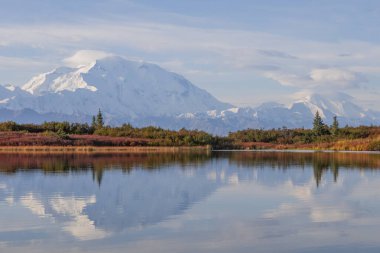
(101,149)
(65,137)
(367,144)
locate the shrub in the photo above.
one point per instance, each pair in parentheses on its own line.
(374,146)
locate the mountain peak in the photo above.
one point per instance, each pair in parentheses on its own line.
(330,104)
(58,80)
(122,88)
(144,94)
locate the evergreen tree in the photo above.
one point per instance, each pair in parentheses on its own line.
(319,128)
(335,126)
(93,123)
(99,120)
(317,122)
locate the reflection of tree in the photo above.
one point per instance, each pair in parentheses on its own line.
(319,167)
(73,163)
(97,175)
(321,162)
(335,170)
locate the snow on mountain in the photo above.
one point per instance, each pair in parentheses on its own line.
(338,104)
(273,115)
(145,94)
(120,88)
(58,80)
(335,104)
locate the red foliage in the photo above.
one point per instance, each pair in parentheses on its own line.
(43,139)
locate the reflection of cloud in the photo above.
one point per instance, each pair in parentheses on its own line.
(80,225)
(87,213)
(34,205)
(303,192)
(284,209)
(233,179)
(327,207)
(270,204)
(10,200)
(212,176)
(71,206)
(329,214)
(83,228)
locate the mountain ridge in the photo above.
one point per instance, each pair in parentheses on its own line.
(144,94)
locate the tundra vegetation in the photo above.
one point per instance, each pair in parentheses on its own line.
(321,136)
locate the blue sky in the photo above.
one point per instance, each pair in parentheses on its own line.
(244,52)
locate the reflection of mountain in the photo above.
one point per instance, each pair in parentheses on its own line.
(143,197)
(143,189)
(320,162)
(128,197)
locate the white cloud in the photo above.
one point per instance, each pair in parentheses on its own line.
(287,79)
(84,57)
(331,78)
(337,77)
(12,63)
(195,51)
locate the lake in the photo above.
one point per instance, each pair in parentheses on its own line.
(190,202)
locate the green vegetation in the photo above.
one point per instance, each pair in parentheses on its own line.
(165,137)
(319,128)
(334,129)
(346,138)
(362,137)
(149,136)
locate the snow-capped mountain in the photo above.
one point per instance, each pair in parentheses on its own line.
(145,94)
(273,115)
(122,89)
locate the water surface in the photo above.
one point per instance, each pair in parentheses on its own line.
(217,202)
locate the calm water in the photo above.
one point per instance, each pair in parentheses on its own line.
(219,202)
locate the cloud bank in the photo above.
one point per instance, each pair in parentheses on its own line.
(84,57)
(216,57)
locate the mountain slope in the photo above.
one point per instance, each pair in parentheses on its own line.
(273,115)
(145,94)
(121,88)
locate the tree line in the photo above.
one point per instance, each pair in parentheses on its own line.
(320,132)
(161,137)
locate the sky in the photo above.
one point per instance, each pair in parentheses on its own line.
(244,52)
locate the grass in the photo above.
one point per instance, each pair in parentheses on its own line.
(360,144)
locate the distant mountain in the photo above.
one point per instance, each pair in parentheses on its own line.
(123,89)
(145,94)
(273,115)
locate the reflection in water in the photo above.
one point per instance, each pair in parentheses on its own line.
(321,162)
(109,198)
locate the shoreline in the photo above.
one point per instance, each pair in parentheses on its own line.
(299,151)
(154,149)
(102,149)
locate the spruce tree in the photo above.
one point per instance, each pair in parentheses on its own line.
(93,123)
(99,120)
(319,128)
(335,126)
